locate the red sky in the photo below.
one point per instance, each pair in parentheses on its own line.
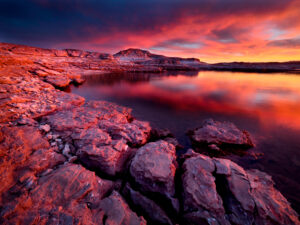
(211,30)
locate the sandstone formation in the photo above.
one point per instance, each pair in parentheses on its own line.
(217,135)
(147,59)
(100,133)
(25,96)
(218,191)
(67,161)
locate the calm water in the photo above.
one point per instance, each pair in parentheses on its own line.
(267,105)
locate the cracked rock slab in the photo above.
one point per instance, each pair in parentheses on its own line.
(218,191)
(66,195)
(101,133)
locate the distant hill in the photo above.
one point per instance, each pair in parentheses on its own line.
(139,60)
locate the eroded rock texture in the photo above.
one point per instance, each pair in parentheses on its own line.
(67,195)
(24,96)
(67,161)
(100,134)
(217,135)
(218,191)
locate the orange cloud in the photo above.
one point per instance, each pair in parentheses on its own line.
(213,31)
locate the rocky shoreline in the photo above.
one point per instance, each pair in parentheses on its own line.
(68,161)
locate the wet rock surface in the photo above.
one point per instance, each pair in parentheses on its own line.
(216,136)
(67,161)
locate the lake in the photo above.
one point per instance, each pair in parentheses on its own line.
(266,105)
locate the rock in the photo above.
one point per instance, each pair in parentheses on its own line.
(46,128)
(218,134)
(49,136)
(26,121)
(105,159)
(200,197)
(148,207)
(114,210)
(90,136)
(153,169)
(174,142)
(91,114)
(66,151)
(166,135)
(21,105)
(214,147)
(41,186)
(16,146)
(58,81)
(218,191)
(76,78)
(145,58)
(72,159)
(66,195)
(161,133)
(101,133)
(135,133)
(25,155)
(271,205)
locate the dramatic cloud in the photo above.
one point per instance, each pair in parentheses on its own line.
(212,30)
(290,43)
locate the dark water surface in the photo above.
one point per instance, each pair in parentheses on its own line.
(266,105)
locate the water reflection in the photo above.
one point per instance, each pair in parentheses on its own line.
(267,105)
(270,98)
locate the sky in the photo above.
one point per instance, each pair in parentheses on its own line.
(211,30)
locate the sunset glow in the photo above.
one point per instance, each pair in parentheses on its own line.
(213,31)
(257,96)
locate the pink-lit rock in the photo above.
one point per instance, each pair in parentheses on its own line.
(219,134)
(218,191)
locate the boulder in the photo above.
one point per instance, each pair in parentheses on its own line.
(217,134)
(153,169)
(201,201)
(218,191)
